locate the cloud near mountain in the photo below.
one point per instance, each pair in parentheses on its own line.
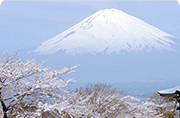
(108,31)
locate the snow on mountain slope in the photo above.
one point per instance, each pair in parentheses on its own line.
(108,31)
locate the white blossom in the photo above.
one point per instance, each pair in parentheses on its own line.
(26,83)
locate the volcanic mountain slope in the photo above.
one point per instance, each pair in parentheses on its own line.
(108,31)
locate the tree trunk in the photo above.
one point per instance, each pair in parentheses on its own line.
(3,106)
(4,109)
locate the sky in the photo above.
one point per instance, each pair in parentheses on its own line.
(27,23)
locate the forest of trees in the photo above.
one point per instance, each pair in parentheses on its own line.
(27,90)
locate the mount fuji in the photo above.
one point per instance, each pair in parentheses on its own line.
(108,31)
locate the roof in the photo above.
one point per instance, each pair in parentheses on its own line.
(170,92)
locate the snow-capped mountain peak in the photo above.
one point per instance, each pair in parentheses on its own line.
(108,31)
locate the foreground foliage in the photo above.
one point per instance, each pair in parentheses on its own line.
(25,86)
(29,91)
(169,111)
(103,101)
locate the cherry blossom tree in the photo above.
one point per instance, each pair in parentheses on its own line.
(26,85)
(101,100)
(166,106)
